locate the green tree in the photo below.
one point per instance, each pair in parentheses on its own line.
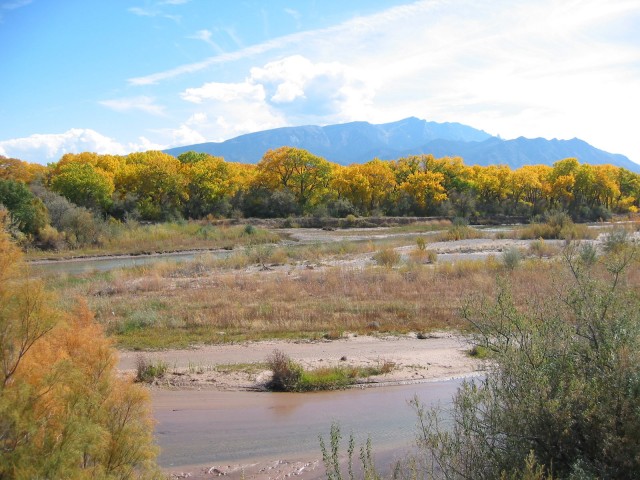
(210,184)
(84,185)
(157,181)
(27,212)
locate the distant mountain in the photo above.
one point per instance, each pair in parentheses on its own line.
(359,142)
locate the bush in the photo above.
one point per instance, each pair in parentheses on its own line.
(616,239)
(148,372)
(511,258)
(387,257)
(562,391)
(286,373)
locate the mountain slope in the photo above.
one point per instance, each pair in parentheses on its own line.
(359,142)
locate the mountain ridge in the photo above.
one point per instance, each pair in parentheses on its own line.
(359,142)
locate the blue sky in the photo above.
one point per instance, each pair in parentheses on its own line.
(118,76)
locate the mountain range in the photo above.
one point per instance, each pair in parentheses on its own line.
(359,142)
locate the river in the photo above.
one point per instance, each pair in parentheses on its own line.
(214,427)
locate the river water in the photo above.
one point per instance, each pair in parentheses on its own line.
(209,427)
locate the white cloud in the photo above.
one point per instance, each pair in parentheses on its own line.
(15,4)
(292,89)
(197,118)
(142,103)
(45,148)
(185,135)
(224,92)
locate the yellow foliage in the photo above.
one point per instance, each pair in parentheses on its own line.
(63,411)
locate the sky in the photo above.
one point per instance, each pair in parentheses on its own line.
(119,76)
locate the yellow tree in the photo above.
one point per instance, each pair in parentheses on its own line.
(209,184)
(14,169)
(64,413)
(158,182)
(491,183)
(305,175)
(426,188)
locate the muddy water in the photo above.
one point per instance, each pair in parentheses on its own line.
(213,427)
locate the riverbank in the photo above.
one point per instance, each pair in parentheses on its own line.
(240,367)
(215,419)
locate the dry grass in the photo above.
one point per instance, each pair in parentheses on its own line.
(214,300)
(150,311)
(134,238)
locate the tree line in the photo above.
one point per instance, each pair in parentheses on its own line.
(288,181)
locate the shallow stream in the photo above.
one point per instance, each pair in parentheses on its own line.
(214,427)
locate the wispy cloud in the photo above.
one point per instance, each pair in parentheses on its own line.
(295,15)
(15,4)
(141,103)
(206,36)
(153,12)
(355,26)
(12,5)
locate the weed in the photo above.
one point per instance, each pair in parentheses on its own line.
(332,461)
(286,373)
(148,372)
(459,232)
(387,257)
(616,239)
(289,376)
(511,258)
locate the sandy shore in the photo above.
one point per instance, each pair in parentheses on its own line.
(239,366)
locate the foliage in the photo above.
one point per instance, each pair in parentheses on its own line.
(387,257)
(148,372)
(511,258)
(64,413)
(27,211)
(289,376)
(332,461)
(70,226)
(305,175)
(286,373)
(562,392)
(83,184)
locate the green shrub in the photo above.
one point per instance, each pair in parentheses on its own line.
(511,258)
(616,239)
(289,376)
(562,391)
